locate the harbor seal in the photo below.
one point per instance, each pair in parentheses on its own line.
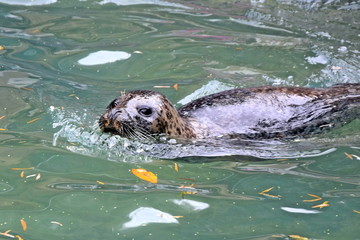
(246,113)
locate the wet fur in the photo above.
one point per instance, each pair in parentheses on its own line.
(243,113)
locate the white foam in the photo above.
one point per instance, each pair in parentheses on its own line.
(319,59)
(103,57)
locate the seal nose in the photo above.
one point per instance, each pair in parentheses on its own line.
(113,113)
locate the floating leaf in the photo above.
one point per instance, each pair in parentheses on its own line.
(144,175)
(268,195)
(3,129)
(176,86)
(349,156)
(28,89)
(38,176)
(316,198)
(358,212)
(101,183)
(297,237)
(6,234)
(19,237)
(1,117)
(22,174)
(34,120)
(324,204)
(23,224)
(57,223)
(176,167)
(29,168)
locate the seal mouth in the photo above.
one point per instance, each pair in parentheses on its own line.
(122,129)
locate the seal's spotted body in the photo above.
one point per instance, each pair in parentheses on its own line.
(262,112)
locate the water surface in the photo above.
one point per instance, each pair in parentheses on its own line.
(62,62)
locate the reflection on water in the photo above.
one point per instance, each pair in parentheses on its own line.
(55,81)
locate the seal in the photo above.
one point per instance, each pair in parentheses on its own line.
(246,113)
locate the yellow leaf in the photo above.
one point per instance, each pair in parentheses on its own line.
(22,174)
(176,86)
(19,237)
(316,198)
(3,129)
(324,204)
(176,167)
(29,168)
(34,120)
(101,183)
(23,224)
(297,237)
(358,212)
(267,190)
(144,175)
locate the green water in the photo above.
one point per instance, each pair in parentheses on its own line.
(206,45)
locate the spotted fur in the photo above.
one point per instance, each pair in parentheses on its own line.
(262,112)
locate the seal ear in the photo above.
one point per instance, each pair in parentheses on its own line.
(113,104)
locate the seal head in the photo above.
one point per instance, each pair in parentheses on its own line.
(141,114)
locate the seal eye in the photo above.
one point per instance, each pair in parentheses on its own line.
(145,111)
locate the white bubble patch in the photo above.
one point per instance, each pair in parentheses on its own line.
(103,57)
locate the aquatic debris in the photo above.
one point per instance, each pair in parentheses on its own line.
(27,89)
(3,129)
(300,210)
(73,95)
(175,86)
(324,204)
(103,57)
(177,216)
(19,237)
(57,223)
(1,117)
(6,234)
(38,176)
(282,159)
(34,120)
(336,68)
(101,183)
(268,195)
(316,198)
(22,174)
(30,176)
(23,224)
(176,167)
(138,52)
(355,211)
(188,190)
(2,47)
(28,168)
(144,175)
(297,237)
(349,156)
